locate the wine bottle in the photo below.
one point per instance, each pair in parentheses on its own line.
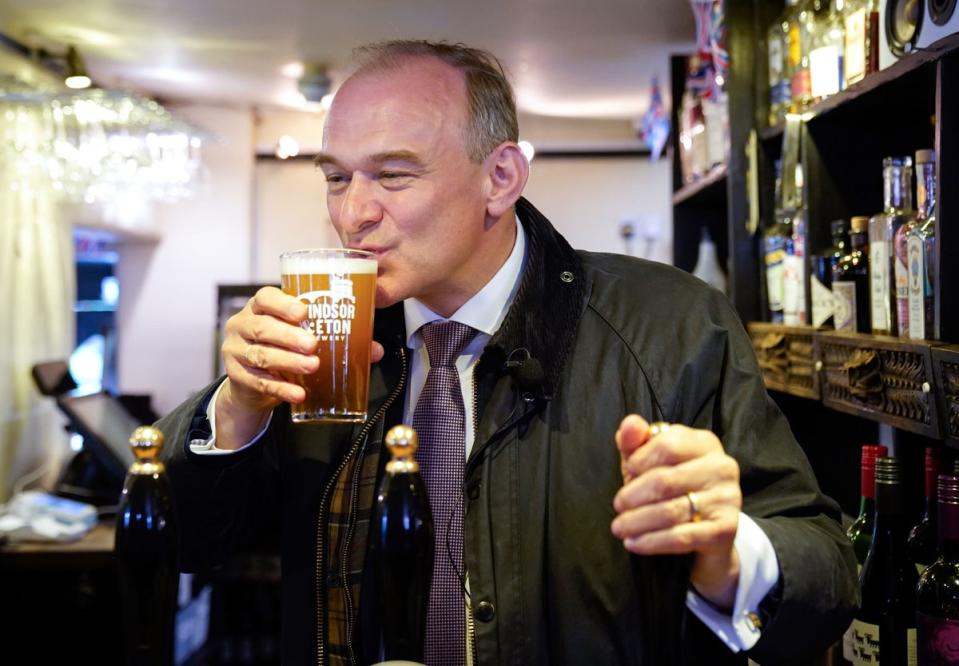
(884,631)
(924,537)
(860,532)
(937,598)
(146,543)
(401,549)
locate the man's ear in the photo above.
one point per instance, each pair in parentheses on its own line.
(507,171)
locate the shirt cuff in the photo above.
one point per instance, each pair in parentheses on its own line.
(205,447)
(758,574)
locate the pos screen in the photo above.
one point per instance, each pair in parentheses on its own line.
(106,427)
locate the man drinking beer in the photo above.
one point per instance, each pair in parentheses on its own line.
(573,531)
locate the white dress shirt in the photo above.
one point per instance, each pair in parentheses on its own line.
(485,311)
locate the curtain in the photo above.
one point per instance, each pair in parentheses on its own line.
(37,291)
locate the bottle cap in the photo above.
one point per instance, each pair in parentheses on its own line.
(402,442)
(872,451)
(146,442)
(838,227)
(888,471)
(948,489)
(905,161)
(925,156)
(859,223)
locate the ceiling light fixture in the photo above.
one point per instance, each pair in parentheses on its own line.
(528,150)
(287,147)
(314,83)
(292,70)
(75,73)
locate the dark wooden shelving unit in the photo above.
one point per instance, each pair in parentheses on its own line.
(911,105)
(912,385)
(709,190)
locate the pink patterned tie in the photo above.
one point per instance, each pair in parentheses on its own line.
(440,421)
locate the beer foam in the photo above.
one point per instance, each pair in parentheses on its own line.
(304,263)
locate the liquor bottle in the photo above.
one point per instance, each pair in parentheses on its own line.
(401,548)
(861,18)
(777,45)
(827,51)
(901,254)
(146,551)
(795,271)
(884,631)
(923,537)
(921,250)
(707,266)
(897,211)
(850,281)
(802,21)
(860,532)
(820,280)
(937,597)
(775,238)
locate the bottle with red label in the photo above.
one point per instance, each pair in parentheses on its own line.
(937,597)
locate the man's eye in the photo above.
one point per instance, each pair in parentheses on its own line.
(393,175)
(335,178)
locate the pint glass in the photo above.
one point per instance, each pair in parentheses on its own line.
(339,288)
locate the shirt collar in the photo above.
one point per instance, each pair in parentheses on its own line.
(487,308)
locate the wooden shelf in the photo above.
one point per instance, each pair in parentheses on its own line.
(912,385)
(710,189)
(772,133)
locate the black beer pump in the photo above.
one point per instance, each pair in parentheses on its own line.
(402,551)
(146,555)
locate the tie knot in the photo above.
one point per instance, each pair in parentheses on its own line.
(445,340)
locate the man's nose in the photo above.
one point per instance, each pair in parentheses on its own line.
(360,207)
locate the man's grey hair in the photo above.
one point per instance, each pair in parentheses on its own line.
(491,107)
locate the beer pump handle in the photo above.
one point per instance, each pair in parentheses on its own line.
(146,551)
(402,551)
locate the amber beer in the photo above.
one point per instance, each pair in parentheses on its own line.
(339,288)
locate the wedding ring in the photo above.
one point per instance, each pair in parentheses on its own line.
(694,515)
(658,428)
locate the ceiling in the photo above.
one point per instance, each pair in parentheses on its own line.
(576,59)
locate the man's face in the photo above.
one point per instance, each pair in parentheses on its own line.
(400,183)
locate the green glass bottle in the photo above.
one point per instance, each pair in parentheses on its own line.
(860,532)
(937,597)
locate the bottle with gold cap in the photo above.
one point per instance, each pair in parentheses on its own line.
(850,281)
(401,548)
(146,545)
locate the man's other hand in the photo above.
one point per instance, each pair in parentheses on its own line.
(680,494)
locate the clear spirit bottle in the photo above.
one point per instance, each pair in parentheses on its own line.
(903,189)
(897,210)
(921,250)
(827,47)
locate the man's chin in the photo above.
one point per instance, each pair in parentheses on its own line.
(385,297)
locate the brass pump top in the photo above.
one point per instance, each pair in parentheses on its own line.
(402,442)
(146,442)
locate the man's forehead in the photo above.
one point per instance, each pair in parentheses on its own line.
(422,97)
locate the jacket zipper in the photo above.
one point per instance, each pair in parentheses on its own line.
(470,620)
(320,533)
